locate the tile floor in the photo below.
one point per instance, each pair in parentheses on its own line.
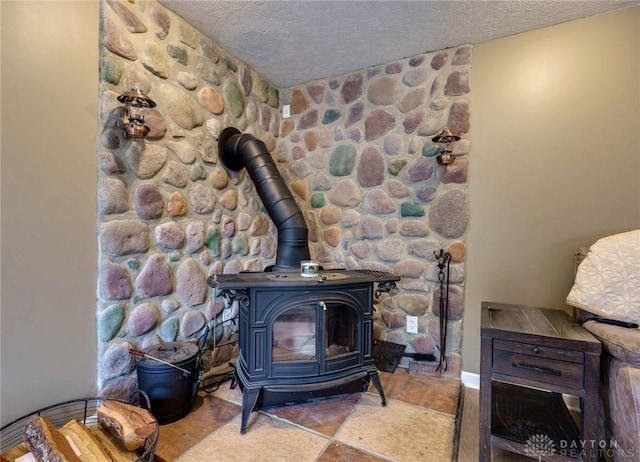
(419,423)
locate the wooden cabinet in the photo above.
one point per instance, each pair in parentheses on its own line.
(530,357)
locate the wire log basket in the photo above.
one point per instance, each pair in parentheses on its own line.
(84,410)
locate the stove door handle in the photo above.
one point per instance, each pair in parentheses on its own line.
(322,305)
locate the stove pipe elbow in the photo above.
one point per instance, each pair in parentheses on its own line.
(238,151)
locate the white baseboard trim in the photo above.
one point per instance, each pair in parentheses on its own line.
(471,379)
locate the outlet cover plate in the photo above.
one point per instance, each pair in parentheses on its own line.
(412,324)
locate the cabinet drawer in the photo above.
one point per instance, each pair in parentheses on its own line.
(542,351)
(544,370)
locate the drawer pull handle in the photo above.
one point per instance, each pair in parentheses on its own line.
(536,350)
(539,370)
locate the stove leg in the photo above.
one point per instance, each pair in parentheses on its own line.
(376,383)
(249,400)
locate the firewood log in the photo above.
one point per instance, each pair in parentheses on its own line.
(130,424)
(46,442)
(91,448)
(15,452)
(112,446)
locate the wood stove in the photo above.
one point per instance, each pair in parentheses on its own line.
(300,338)
(303,338)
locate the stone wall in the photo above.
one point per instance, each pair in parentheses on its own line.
(169,214)
(356,153)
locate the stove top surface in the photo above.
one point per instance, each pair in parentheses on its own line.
(280,278)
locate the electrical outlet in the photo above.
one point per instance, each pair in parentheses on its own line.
(412,324)
(286,111)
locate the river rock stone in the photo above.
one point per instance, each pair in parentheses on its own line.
(145,160)
(310,119)
(361,249)
(155,278)
(425,193)
(175,174)
(345,194)
(383,91)
(110,321)
(169,329)
(355,114)
(143,318)
(457,84)
(129,19)
(378,202)
(458,121)
(439,60)
(389,250)
(462,56)
(448,214)
(154,59)
(116,42)
(194,234)
(411,209)
(454,173)
(234,100)
(229,199)
(148,201)
(393,319)
(114,281)
(192,322)
(161,22)
(183,110)
(409,268)
(116,361)
(421,170)
(113,196)
(371,227)
(178,53)
(342,161)
(413,304)
(191,286)
(169,235)
(351,88)
(414,228)
(211,100)
(176,205)
(202,199)
(124,237)
(371,168)
(378,123)
(187,80)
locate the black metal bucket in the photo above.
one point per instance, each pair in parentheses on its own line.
(172,382)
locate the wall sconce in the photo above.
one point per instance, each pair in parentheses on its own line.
(136,103)
(445,139)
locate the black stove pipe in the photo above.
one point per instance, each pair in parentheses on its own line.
(238,151)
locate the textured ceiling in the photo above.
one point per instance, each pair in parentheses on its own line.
(295,41)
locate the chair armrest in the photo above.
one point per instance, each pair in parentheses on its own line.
(621,342)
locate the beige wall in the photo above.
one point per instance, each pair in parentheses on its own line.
(555,161)
(49,104)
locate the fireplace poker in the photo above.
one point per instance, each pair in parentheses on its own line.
(142,354)
(443,261)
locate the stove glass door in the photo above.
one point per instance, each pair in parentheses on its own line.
(340,334)
(294,335)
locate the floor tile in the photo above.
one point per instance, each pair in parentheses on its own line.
(343,453)
(324,416)
(439,394)
(267,440)
(207,414)
(400,431)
